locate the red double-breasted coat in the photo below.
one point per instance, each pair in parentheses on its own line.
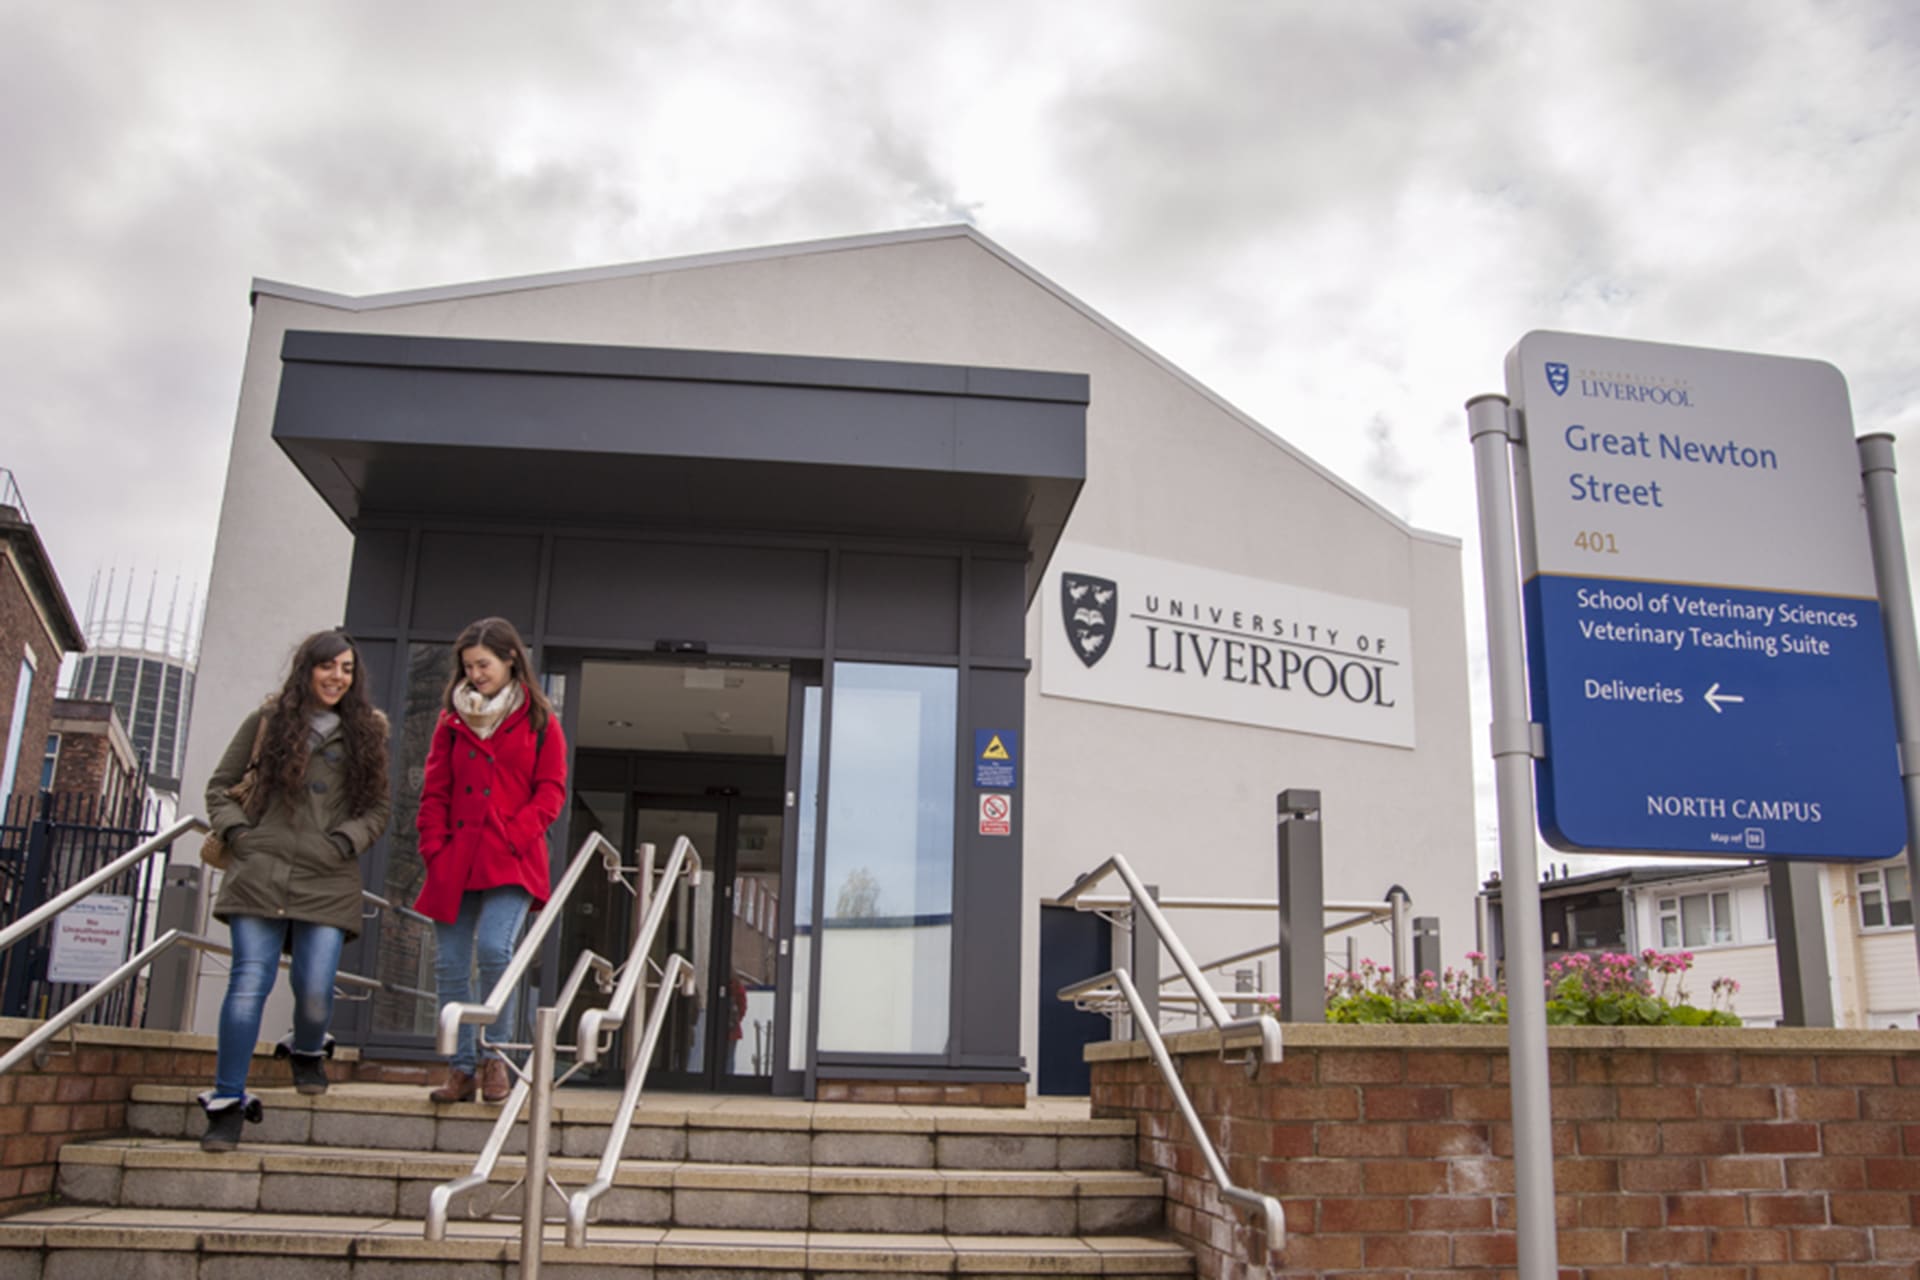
(485,806)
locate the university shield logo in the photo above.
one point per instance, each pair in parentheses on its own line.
(1557,377)
(1089,607)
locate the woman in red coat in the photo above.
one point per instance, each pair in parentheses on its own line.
(496,778)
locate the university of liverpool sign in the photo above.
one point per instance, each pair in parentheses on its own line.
(1139,632)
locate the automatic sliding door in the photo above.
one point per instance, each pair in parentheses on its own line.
(744,1050)
(681,1057)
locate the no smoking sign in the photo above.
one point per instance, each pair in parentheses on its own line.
(996,814)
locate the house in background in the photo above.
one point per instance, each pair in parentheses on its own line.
(37,629)
(89,754)
(1723,915)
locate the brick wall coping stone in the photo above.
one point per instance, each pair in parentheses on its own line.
(14,1030)
(1310,1035)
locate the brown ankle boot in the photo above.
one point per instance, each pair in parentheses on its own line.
(458,1088)
(495,1083)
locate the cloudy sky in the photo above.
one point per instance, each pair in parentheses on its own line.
(1339,216)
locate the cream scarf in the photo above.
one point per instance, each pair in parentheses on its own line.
(483,714)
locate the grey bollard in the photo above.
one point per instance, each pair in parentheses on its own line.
(1303,963)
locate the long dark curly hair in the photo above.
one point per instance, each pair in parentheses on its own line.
(503,639)
(283,752)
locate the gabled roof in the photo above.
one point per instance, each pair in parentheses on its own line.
(37,567)
(840,244)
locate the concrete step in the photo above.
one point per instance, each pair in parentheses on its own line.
(1046,1134)
(155,1173)
(80,1243)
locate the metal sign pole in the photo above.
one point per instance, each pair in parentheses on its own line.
(1896,618)
(1491,424)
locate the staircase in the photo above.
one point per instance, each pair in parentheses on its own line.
(714,1188)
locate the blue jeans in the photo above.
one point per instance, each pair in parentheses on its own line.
(257,943)
(489,923)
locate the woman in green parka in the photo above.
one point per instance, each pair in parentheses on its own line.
(319,801)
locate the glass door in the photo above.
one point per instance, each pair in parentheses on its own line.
(682,1056)
(747,928)
(800,840)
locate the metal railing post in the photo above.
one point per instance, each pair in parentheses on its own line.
(1303,983)
(533,1222)
(1143,960)
(637,1015)
(1398,900)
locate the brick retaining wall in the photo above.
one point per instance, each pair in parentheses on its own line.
(1697,1154)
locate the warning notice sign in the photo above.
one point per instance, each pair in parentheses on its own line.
(996,814)
(995,753)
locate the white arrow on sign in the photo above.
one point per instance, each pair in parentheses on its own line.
(1714,697)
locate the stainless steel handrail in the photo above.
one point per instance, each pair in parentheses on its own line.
(100,990)
(581,1202)
(533,1091)
(453,1014)
(1144,906)
(440,1199)
(1266,1205)
(1269,1050)
(596,1022)
(31,1046)
(33,920)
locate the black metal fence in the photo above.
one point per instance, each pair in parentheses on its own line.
(48,842)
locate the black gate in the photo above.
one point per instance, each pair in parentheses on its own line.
(48,842)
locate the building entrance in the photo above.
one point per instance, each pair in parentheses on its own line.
(668,750)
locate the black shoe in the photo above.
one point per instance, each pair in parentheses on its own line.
(225,1116)
(309,1073)
(309,1069)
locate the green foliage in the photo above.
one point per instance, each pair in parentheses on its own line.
(1611,991)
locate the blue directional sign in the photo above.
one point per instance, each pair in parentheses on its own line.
(1703,634)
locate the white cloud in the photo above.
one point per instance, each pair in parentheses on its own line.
(1340,217)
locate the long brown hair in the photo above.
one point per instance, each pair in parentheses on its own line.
(500,636)
(283,752)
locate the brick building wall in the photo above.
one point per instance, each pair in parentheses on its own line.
(1684,1155)
(82,765)
(95,757)
(22,628)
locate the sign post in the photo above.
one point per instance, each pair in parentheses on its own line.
(1493,428)
(1702,648)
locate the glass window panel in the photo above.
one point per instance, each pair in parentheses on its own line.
(1872,911)
(806,847)
(1722,917)
(886,939)
(1669,931)
(1695,926)
(406,945)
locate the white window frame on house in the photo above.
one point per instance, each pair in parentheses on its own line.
(1883,893)
(50,762)
(1720,918)
(16,728)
